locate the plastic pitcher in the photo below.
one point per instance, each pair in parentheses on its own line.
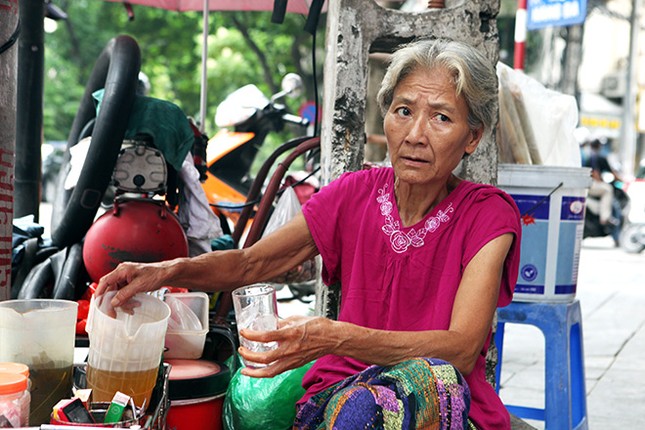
(126,344)
(40,333)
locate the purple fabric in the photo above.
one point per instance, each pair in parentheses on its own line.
(406,279)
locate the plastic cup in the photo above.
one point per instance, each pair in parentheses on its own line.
(256,308)
(126,344)
(41,334)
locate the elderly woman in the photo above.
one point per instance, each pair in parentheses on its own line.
(423,258)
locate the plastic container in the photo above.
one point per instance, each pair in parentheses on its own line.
(187,325)
(14,400)
(17,368)
(552,202)
(196,389)
(40,334)
(126,344)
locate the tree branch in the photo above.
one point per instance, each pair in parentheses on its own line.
(266,70)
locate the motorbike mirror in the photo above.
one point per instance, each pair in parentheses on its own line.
(292,85)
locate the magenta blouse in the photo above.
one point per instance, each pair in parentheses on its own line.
(406,278)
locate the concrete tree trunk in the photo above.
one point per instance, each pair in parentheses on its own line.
(8,66)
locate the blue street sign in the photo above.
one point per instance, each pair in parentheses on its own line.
(547,13)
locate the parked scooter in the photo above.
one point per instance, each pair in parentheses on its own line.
(230,154)
(620,209)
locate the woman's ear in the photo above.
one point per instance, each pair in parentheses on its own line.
(476,136)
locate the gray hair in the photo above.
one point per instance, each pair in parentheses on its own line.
(474,75)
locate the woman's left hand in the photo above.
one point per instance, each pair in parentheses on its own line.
(300,341)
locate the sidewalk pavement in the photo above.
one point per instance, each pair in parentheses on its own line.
(611,290)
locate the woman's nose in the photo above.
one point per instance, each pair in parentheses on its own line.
(417,133)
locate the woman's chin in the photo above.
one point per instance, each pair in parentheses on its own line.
(413,172)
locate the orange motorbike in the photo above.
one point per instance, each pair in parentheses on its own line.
(230,153)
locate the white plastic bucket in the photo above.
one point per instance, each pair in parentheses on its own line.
(551,201)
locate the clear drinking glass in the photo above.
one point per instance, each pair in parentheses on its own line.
(256,308)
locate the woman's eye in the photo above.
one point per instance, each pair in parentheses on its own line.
(441,117)
(403,111)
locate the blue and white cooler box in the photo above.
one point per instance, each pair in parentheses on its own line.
(551,201)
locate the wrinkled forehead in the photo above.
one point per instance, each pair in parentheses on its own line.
(437,68)
(425,77)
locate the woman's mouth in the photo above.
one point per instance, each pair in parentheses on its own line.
(413,161)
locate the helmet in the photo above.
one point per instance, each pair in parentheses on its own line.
(135,230)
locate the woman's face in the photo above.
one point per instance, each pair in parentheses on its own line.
(427,127)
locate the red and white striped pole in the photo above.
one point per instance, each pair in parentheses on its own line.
(520,35)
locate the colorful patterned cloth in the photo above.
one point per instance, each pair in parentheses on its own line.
(416,394)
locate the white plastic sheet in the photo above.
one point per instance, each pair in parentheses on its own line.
(547,119)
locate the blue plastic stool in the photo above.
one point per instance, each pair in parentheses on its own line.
(564,379)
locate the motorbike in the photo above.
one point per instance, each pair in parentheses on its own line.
(246,117)
(620,209)
(632,237)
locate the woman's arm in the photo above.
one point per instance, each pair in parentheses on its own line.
(219,270)
(305,339)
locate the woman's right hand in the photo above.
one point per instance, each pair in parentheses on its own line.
(129,279)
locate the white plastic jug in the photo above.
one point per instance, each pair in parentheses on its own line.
(126,345)
(40,333)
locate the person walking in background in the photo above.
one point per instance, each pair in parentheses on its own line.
(599,188)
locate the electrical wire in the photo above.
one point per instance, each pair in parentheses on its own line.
(12,39)
(315,77)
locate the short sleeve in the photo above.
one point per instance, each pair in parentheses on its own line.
(323,214)
(497,215)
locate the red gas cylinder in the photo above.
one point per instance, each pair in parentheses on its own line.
(141,230)
(196,389)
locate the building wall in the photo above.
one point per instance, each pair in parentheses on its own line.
(605,46)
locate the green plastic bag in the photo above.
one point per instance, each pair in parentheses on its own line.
(263,403)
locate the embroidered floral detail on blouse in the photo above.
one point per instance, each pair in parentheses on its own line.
(399,240)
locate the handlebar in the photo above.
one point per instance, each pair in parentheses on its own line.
(295,119)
